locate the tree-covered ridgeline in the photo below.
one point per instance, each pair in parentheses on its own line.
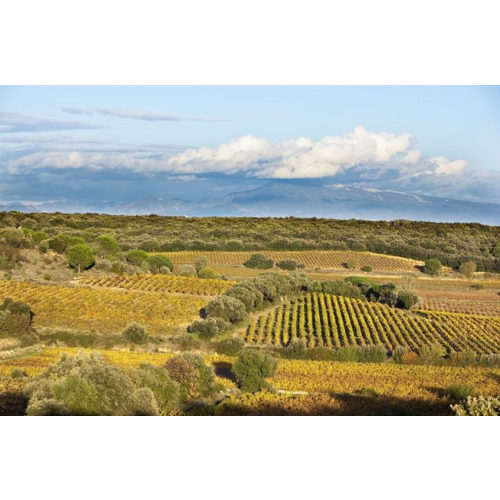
(452,244)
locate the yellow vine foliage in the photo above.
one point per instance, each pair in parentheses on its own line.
(323,320)
(325,259)
(164,283)
(104,310)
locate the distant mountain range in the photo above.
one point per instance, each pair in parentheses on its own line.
(282,199)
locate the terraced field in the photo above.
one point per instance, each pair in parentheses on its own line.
(325,259)
(335,321)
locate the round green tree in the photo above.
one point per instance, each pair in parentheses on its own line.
(80,257)
(252,368)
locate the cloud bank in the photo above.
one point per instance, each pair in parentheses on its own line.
(363,158)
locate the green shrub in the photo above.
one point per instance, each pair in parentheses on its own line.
(398,352)
(432,355)
(186,270)
(287,265)
(29,338)
(16,317)
(108,245)
(259,261)
(372,354)
(156,262)
(188,342)
(195,378)
(406,300)
(230,347)
(137,257)
(464,358)
(297,349)
(252,368)
(87,384)
(367,269)
(17,373)
(227,308)
(432,267)
(135,333)
(207,273)
(208,328)
(155,378)
(348,353)
(80,256)
(200,263)
(458,392)
(482,406)
(468,268)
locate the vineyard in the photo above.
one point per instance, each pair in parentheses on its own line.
(412,389)
(322,320)
(162,283)
(461,306)
(325,259)
(103,310)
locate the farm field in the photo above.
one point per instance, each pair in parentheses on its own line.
(162,283)
(322,320)
(104,310)
(325,259)
(326,387)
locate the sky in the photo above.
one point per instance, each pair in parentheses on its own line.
(120,143)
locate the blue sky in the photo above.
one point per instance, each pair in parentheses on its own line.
(125,143)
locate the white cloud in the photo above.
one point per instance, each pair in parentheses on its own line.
(446,167)
(370,154)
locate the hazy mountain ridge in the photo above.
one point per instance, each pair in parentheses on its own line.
(282,199)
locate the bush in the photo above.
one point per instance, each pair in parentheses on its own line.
(243,294)
(137,257)
(432,355)
(468,268)
(208,328)
(200,263)
(372,354)
(188,342)
(295,350)
(17,373)
(409,358)
(80,257)
(156,262)
(227,308)
(406,300)
(207,273)
(186,270)
(478,286)
(234,245)
(458,392)
(164,389)
(107,245)
(259,261)
(482,406)
(464,358)
(16,317)
(135,333)
(336,287)
(14,238)
(252,368)
(432,267)
(348,353)
(57,245)
(287,265)
(367,269)
(195,378)
(86,384)
(230,347)
(398,352)
(351,264)
(28,339)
